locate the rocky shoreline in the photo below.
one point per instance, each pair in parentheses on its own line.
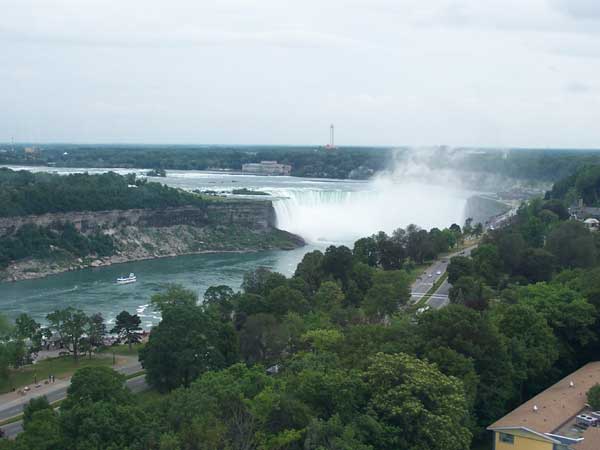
(34,269)
(221,227)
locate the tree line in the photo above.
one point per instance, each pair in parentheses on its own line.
(71,329)
(26,193)
(342,163)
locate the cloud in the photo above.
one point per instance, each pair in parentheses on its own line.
(577,87)
(578,9)
(184,38)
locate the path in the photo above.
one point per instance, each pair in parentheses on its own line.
(12,404)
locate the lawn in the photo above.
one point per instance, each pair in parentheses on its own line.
(62,367)
(123,350)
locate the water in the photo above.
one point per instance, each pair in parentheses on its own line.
(94,290)
(322,211)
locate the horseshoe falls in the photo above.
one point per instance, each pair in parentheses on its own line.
(333,214)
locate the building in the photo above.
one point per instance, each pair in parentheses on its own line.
(592,224)
(556,419)
(267,168)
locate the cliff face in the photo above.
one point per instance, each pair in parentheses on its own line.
(253,215)
(220,226)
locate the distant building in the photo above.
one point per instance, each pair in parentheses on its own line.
(556,419)
(267,168)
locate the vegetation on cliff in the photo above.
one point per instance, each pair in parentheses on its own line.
(42,242)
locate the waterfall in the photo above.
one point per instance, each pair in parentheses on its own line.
(342,216)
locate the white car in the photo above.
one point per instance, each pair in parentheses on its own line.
(438,272)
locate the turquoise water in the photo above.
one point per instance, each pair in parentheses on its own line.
(94,290)
(323,212)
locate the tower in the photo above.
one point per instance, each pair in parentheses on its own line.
(331,136)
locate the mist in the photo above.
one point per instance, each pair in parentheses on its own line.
(411,191)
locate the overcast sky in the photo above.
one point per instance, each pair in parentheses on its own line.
(385,72)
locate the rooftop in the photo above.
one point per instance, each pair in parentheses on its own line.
(591,440)
(555,406)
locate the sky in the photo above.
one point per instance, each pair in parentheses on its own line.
(496,73)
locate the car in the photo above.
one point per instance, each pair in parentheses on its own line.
(429,275)
(438,272)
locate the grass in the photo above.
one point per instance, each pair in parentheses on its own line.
(123,350)
(61,367)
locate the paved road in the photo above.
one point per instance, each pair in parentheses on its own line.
(54,392)
(136,384)
(430,277)
(440,297)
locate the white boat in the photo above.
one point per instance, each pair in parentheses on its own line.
(126,280)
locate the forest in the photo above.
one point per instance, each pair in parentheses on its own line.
(24,193)
(311,161)
(335,357)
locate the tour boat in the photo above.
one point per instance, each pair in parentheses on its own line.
(126,280)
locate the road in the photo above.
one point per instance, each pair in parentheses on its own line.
(12,406)
(136,385)
(433,273)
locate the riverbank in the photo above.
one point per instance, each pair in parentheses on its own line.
(137,235)
(32,269)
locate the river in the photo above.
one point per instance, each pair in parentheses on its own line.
(324,212)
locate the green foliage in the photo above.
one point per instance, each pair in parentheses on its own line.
(34,405)
(70,325)
(593,397)
(25,193)
(186,343)
(415,406)
(127,327)
(43,242)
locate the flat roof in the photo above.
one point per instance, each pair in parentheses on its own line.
(556,405)
(591,440)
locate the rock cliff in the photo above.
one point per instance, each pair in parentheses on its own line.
(217,226)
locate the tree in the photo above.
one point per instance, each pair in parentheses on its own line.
(474,336)
(96,384)
(460,266)
(27,328)
(571,317)
(487,263)
(572,244)
(69,324)
(41,432)
(532,342)
(127,326)
(415,405)
(470,292)
(220,299)
(537,265)
(95,330)
(284,299)
(255,280)
(337,262)
(262,339)
(366,251)
(173,296)
(186,343)
(381,301)
(310,269)
(329,296)
(34,405)
(593,397)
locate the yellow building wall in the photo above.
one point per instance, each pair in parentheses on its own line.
(521,443)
